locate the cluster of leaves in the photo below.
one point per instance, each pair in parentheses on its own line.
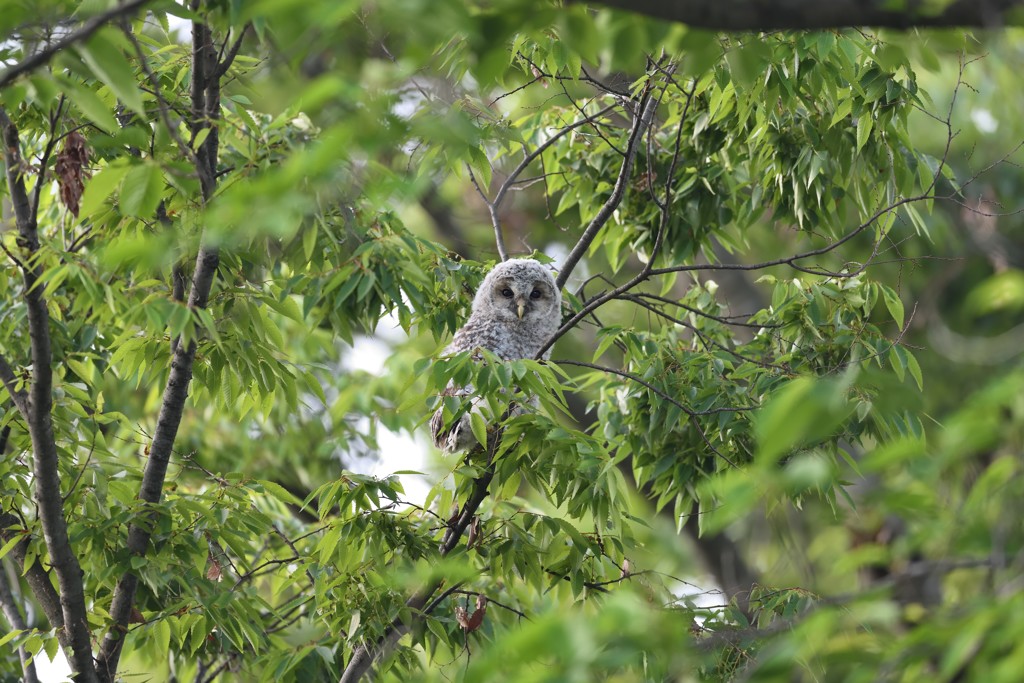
(782,128)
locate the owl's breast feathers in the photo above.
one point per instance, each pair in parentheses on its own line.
(507,340)
(489,328)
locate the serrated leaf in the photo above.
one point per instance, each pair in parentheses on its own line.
(100,186)
(90,104)
(110,66)
(10,635)
(479,427)
(309,241)
(279,492)
(13,541)
(915,369)
(141,190)
(896,362)
(162,635)
(864,126)
(894,304)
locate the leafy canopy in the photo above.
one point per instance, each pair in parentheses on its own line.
(328,170)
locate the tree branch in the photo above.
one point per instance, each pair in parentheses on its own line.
(83,32)
(692,414)
(364,655)
(584,242)
(45,158)
(37,577)
(499,197)
(641,121)
(45,466)
(205,109)
(771,15)
(225,61)
(10,382)
(12,611)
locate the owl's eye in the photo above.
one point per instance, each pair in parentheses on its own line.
(506,293)
(535,294)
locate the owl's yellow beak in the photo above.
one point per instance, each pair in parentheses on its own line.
(521,306)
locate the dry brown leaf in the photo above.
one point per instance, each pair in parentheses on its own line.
(69,169)
(213,568)
(470,623)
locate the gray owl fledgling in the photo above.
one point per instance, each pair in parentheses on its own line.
(517,309)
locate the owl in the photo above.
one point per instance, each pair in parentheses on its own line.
(516,310)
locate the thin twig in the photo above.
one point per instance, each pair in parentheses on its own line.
(47,151)
(83,32)
(11,609)
(493,205)
(641,121)
(10,382)
(692,414)
(492,601)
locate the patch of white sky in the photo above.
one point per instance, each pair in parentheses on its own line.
(984,121)
(398,452)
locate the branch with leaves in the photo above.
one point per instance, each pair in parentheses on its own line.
(12,611)
(82,33)
(36,411)
(206,75)
(766,15)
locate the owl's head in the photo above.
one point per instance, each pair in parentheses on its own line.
(520,291)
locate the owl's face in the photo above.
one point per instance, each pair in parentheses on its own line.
(520,291)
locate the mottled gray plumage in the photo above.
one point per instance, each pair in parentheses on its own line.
(515,311)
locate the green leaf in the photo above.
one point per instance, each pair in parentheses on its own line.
(309,241)
(896,361)
(100,186)
(864,125)
(915,369)
(90,104)
(110,66)
(894,304)
(842,111)
(479,427)
(279,492)
(10,635)
(162,635)
(13,541)
(803,410)
(141,190)
(1001,291)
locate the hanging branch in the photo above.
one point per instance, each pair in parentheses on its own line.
(493,205)
(641,121)
(18,397)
